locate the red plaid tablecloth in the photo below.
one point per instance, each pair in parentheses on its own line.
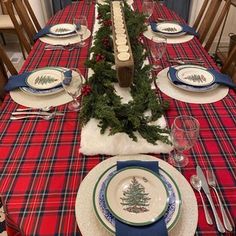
(41,167)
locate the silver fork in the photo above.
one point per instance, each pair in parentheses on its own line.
(212,182)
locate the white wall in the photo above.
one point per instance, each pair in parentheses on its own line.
(42,10)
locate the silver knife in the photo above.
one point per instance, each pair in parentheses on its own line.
(206,189)
(42,113)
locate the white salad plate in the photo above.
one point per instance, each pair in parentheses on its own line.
(194,78)
(172,212)
(62,29)
(170,29)
(136,196)
(45,78)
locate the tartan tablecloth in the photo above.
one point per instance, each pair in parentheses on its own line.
(41,167)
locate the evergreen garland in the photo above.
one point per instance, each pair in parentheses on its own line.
(102,103)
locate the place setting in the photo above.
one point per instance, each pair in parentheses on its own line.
(65,35)
(47,87)
(119,196)
(194,83)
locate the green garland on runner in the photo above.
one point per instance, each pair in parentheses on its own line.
(99,98)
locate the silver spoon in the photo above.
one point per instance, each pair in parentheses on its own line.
(48,117)
(47,108)
(197,184)
(212,182)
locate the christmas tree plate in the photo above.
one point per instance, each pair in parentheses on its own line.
(170,28)
(136,196)
(195,76)
(193,88)
(45,78)
(103,214)
(62,29)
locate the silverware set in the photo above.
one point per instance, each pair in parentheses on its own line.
(68,47)
(183,61)
(200,181)
(43,113)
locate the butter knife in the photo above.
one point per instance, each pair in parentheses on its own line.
(42,113)
(206,189)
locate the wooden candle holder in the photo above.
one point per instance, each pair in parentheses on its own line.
(122,49)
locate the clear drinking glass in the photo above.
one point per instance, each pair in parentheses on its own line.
(72,83)
(184,133)
(157,48)
(147,8)
(82,22)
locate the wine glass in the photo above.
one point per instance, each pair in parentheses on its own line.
(82,29)
(147,8)
(157,48)
(72,82)
(184,133)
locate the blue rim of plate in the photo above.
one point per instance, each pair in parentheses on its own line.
(193,88)
(108,220)
(126,216)
(44,92)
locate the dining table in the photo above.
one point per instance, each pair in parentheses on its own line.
(42,166)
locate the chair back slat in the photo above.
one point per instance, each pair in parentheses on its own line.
(5,61)
(229,66)
(21,35)
(223,13)
(208,18)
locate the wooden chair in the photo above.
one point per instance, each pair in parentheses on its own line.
(5,61)
(222,14)
(205,19)
(229,66)
(24,40)
(27,17)
(7,26)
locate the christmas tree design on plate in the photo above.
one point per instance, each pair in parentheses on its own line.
(45,79)
(196,78)
(135,199)
(62,30)
(170,29)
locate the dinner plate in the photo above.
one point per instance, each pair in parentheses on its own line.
(186,73)
(103,214)
(136,196)
(44,78)
(88,222)
(62,29)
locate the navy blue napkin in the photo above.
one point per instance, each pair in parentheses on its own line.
(46,30)
(158,228)
(219,78)
(68,77)
(186,28)
(17,81)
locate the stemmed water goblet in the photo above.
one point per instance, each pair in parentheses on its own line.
(147,8)
(184,133)
(81,27)
(72,82)
(157,48)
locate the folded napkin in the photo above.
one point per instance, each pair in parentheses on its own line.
(186,28)
(158,228)
(17,81)
(219,78)
(46,30)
